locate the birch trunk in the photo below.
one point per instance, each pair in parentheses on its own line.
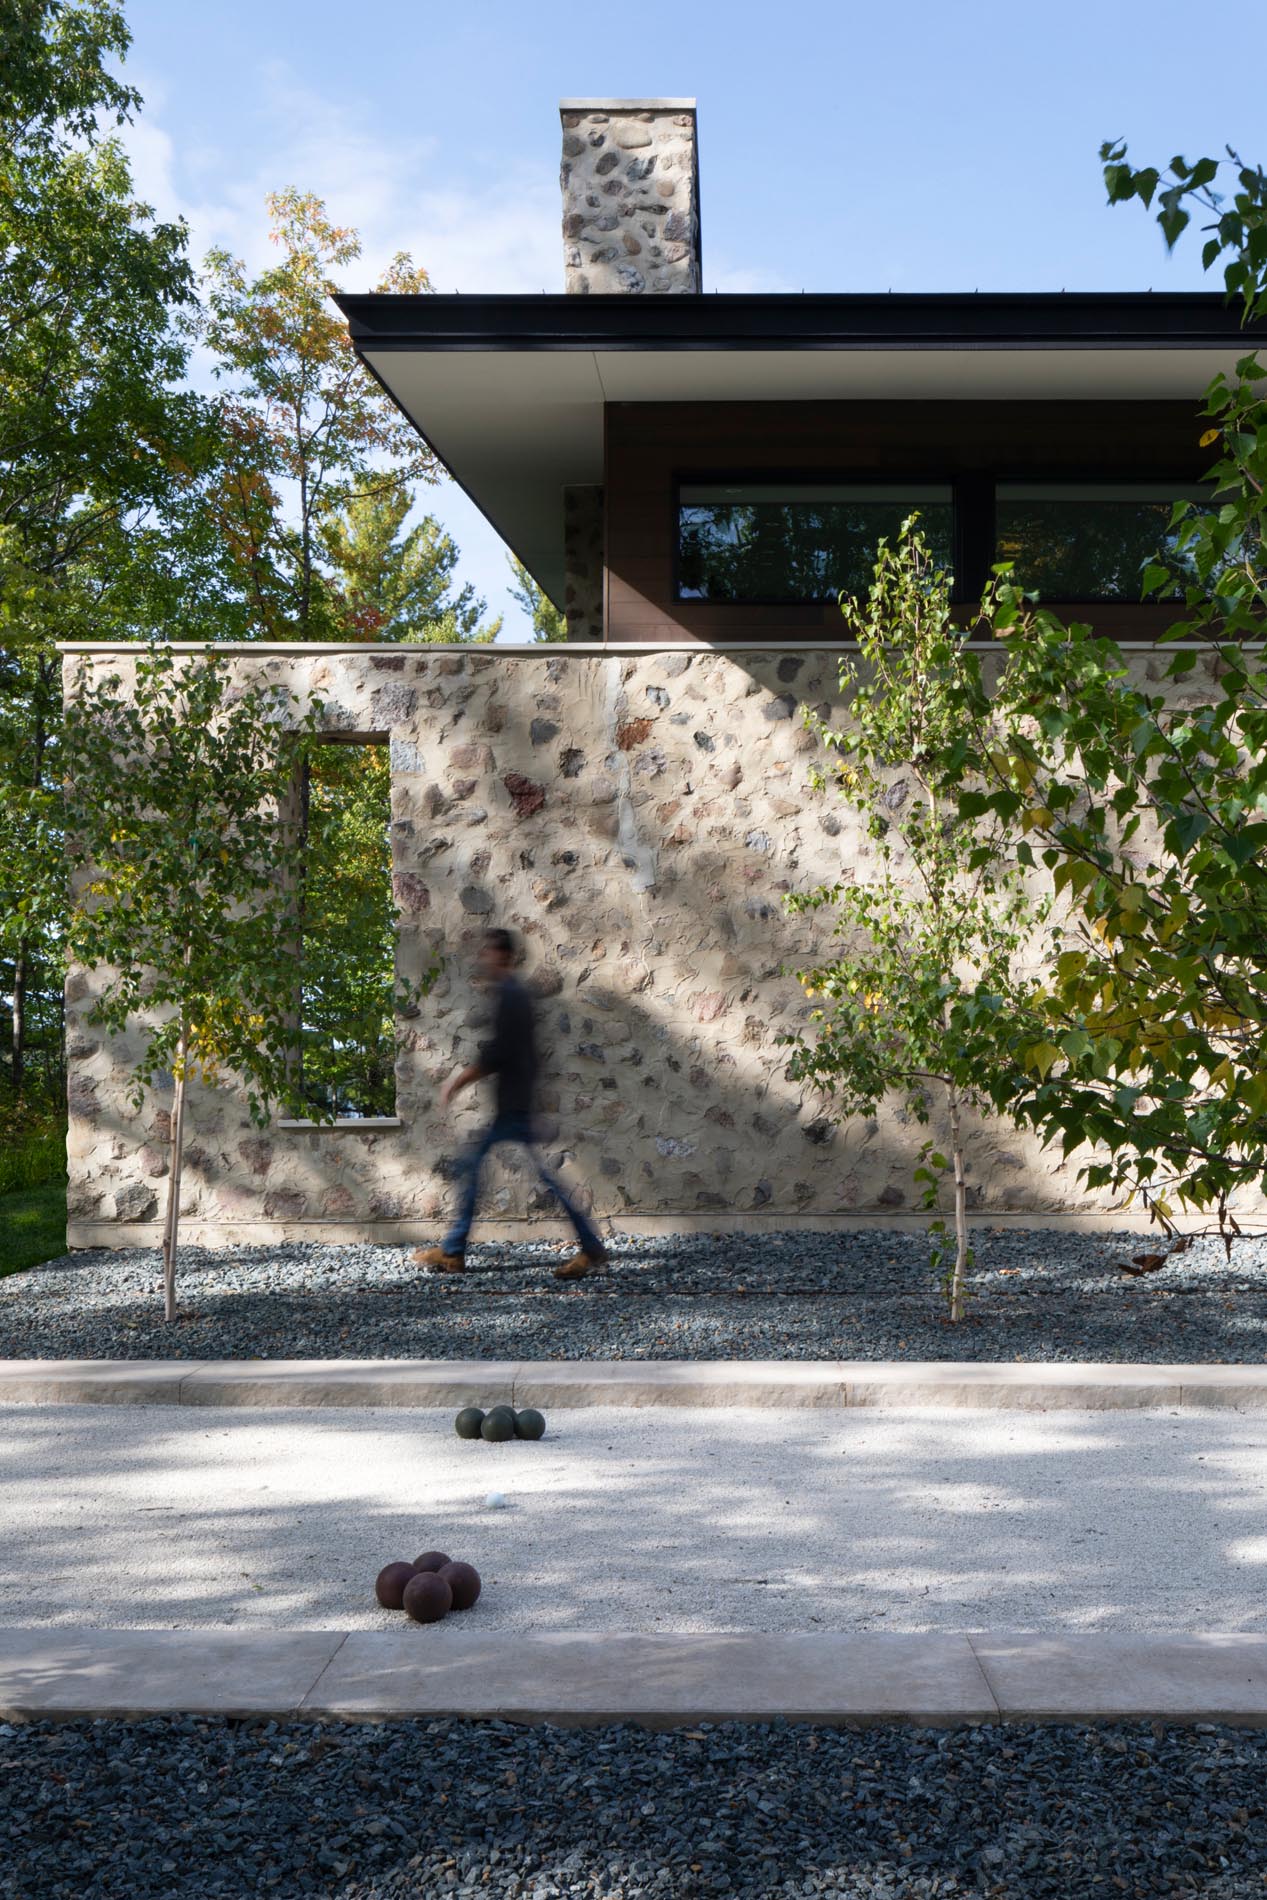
(171,1225)
(18,1047)
(957,1290)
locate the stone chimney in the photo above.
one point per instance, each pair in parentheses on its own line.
(630,183)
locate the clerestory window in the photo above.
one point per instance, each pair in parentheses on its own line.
(1088,541)
(784,544)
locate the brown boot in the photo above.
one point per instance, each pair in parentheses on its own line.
(578,1266)
(438,1261)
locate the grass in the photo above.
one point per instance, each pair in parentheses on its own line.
(33,1160)
(32,1226)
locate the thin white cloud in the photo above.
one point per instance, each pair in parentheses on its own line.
(497,233)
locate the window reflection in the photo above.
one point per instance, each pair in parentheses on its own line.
(787,544)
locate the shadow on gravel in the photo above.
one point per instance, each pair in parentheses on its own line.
(1035,1296)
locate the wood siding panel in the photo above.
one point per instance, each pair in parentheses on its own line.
(652,447)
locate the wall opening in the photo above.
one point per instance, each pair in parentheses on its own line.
(347,918)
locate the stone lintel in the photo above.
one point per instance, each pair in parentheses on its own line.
(627,105)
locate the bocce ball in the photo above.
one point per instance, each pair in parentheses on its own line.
(389,1585)
(497,1428)
(529,1424)
(427,1597)
(432,1560)
(467,1423)
(464,1583)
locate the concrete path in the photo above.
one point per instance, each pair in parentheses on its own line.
(554,1383)
(660,1681)
(639,1520)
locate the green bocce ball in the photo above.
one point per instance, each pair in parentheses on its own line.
(529,1424)
(468,1421)
(498,1427)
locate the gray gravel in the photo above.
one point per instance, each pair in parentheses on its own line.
(739,1519)
(1036,1295)
(178,1807)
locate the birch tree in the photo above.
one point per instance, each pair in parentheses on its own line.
(183,836)
(924,982)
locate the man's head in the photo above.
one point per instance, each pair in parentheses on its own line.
(496,955)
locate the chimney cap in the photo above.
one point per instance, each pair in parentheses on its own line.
(626,105)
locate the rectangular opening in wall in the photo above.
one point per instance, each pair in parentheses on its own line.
(347,1022)
(1087,541)
(788,544)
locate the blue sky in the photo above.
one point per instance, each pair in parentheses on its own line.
(842,146)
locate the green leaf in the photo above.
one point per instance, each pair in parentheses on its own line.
(1183,832)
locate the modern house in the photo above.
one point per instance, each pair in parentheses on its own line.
(691,478)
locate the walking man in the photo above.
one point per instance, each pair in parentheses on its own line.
(511,1058)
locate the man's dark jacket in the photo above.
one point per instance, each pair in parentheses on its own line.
(511,1054)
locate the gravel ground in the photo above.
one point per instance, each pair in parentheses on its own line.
(742,1519)
(193,1807)
(1036,1295)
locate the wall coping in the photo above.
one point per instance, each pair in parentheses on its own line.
(627,105)
(542,649)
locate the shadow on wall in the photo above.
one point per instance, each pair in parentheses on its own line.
(637,820)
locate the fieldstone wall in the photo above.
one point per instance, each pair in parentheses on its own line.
(637,819)
(583,561)
(630,196)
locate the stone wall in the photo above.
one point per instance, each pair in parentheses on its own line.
(637,819)
(630,196)
(583,561)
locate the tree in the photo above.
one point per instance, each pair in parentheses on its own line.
(398,586)
(93,424)
(917,1000)
(307,430)
(1149,808)
(348,922)
(547,622)
(183,839)
(32,871)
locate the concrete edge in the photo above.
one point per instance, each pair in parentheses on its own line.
(936,1679)
(108,1235)
(561,1384)
(94,1381)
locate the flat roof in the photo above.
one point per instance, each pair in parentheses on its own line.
(509,391)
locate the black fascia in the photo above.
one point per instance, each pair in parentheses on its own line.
(1069,320)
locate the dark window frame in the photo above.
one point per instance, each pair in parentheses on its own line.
(799,477)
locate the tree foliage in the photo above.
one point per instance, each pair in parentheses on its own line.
(919,998)
(396,582)
(547,621)
(1147,805)
(183,838)
(95,430)
(348,930)
(307,432)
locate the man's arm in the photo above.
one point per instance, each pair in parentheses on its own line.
(462,1080)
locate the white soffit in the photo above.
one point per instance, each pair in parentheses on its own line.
(912,375)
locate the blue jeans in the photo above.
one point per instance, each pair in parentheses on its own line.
(516,1128)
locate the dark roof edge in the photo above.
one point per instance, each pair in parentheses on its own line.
(809,320)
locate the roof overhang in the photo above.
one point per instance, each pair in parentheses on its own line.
(509,391)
